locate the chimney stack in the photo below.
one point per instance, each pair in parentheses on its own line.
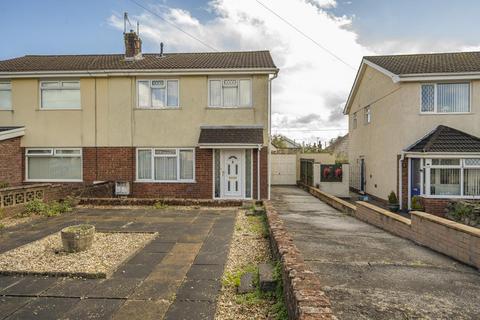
(133,46)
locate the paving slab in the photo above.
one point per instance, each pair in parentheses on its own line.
(44,308)
(72,288)
(94,309)
(141,310)
(191,310)
(199,290)
(29,286)
(370,274)
(8,305)
(115,288)
(205,272)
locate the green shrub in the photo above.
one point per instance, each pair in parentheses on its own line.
(55,208)
(466,212)
(417,203)
(392,198)
(4,184)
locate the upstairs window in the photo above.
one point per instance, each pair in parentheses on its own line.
(58,95)
(368,115)
(445,98)
(230,93)
(5,95)
(354,121)
(157,94)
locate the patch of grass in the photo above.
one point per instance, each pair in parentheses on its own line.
(279,308)
(232,279)
(160,205)
(55,208)
(258,225)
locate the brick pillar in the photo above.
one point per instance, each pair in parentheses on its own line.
(404,178)
(11,157)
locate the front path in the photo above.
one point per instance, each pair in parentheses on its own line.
(176,276)
(370,274)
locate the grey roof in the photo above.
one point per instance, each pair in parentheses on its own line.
(200,60)
(453,62)
(446,139)
(232,135)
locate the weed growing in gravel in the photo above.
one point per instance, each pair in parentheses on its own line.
(2,226)
(232,279)
(279,307)
(258,225)
(52,209)
(160,205)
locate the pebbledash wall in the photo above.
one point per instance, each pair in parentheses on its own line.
(119,164)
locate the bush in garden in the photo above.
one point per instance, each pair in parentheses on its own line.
(466,212)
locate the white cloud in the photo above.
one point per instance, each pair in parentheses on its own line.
(311,82)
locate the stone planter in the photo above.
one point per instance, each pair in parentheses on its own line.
(78,238)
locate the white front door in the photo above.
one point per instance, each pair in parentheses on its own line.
(232,173)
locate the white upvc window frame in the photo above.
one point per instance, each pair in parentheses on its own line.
(53,152)
(60,87)
(367,115)
(8,83)
(435,104)
(152,163)
(425,175)
(222,105)
(151,107)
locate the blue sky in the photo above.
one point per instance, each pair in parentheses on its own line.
(309,112)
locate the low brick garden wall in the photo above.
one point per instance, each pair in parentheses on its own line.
(448,237)
(14,199)
(99,201)
(304,297)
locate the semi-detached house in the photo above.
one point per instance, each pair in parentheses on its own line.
(414,128)
(190,125)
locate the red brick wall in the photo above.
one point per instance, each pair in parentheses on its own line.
(404,177)
(263,173)
(108,163)
(11,162)
(435,206)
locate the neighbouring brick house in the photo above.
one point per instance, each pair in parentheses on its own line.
(414,128)
(189,125)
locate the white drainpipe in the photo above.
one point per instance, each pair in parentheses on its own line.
(269,130)
(400,182)
(258,171)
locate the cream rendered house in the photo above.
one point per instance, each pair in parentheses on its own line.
(414,123)
(191,125)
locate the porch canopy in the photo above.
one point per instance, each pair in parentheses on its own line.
(11,132)
(244,137)
(444,139)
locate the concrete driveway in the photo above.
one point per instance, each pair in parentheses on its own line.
(371,274)
(176,276)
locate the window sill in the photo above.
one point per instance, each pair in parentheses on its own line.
(444,113)
(166,182)
(52,180)
(9,110)
(228,108)
(449,197)
(157,109)
(41,109)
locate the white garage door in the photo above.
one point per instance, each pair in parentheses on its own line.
(284,169)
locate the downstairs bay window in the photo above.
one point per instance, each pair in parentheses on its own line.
(62,165)
(449,177)
(165,165)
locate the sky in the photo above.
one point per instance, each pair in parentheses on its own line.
(317,44)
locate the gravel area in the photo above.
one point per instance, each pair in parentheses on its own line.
(248,248)
(16,220)
(46,256)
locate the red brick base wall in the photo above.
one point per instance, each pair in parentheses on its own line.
(11,162)
(435,206)
(119,164)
